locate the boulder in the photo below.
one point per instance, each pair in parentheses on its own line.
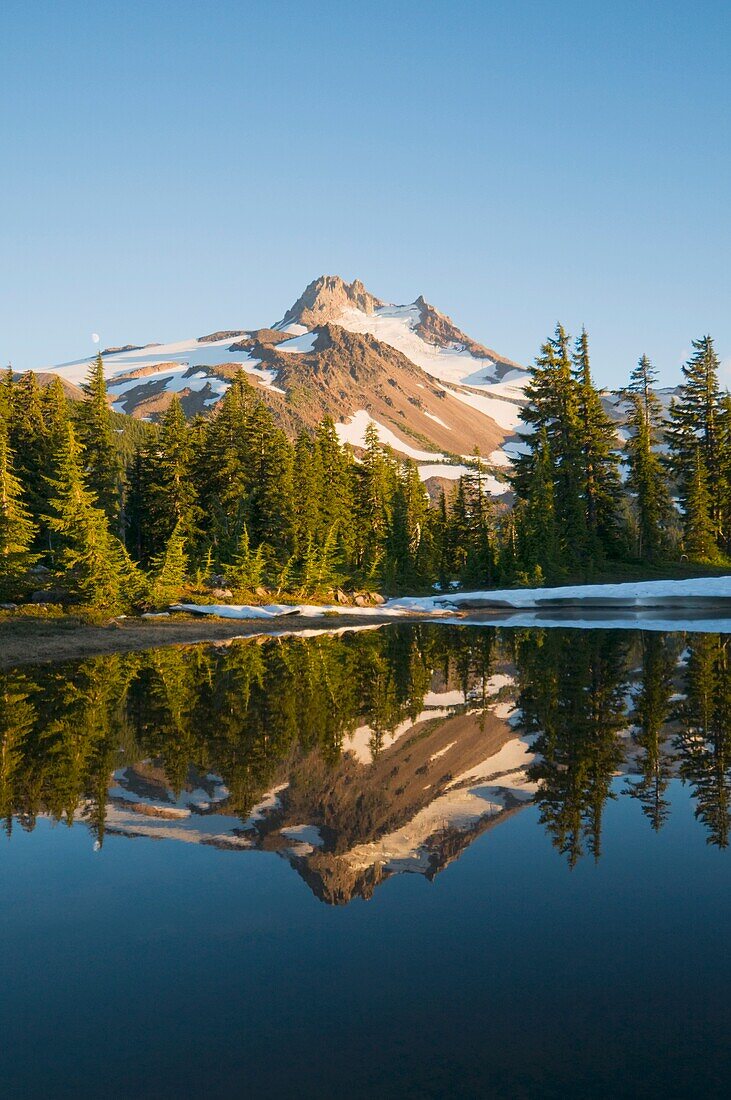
(50,595)
(220,593)
(216,581)
(8,607)
(361,600)
(376,598)
(340,597)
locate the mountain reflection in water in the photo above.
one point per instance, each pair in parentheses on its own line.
(363,755)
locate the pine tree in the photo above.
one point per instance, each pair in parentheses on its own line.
(221,466)
(170,568)
(96,435)
(646,479)
(539,549)
(694,424)
(96,567)
(246,572)
(16,527)
(336,501)
(373,492)
(553,406)
(29,443)
(270,503)
(643,384)
(602,485)
(700,541)
(162,493)
(7,385)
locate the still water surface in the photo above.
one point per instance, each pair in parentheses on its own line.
(414,861)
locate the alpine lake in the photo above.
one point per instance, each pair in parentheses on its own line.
(422,860)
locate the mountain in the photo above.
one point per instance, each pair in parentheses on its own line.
(434,394)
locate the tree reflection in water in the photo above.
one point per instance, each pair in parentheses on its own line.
(359,755)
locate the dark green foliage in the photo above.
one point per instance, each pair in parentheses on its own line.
(646,482)
(94,565)
(169,570)
(16,526)
(704,741)
(699,532)
(229,495)
(572,698)
(698,460)
(652,709)
(103,470)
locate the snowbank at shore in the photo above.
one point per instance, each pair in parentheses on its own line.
(587,604)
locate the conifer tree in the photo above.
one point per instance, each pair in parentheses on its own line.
(170,568)
(96,567)
(335,471)
(270,503)
(6,394)
(539,548)
(308,491)
(700,542)
(373,491)
(694,424)
(96,436)
(646,480)
(162,491)
(602,485)
(554,407)
(16,527)
(643,384)
(246,572)
(29,443)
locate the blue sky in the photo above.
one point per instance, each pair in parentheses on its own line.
(170,168)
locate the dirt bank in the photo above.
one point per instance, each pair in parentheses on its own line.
(37,641)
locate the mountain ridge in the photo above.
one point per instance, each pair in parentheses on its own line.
(434,394)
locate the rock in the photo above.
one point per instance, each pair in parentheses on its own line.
(361,600)
(261,592)
(221,593)
(50,595)
(376,598)
(8,607)
(216,581)
(40,571)
(340,597)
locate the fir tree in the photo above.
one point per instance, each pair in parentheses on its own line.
(16,527)
(694,424)
(170,568)
(96,435)
(538,541)
(700,541)
(95,565)
(646,478)
(602,485)
(553,406)
(29,443)
(246,572)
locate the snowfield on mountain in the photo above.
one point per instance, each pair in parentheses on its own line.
(434,394)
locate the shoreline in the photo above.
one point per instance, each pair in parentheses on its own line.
(34,641)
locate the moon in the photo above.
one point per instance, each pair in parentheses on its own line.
(95,337)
